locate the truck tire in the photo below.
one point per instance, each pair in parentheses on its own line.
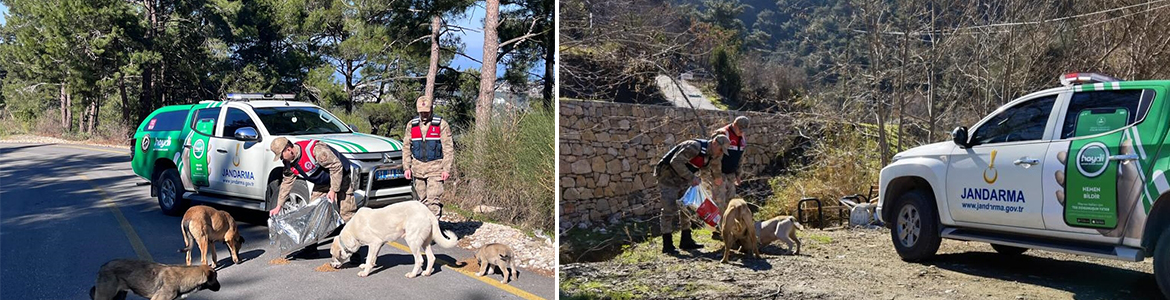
(1008,250)
(915,232)
(298,197)
(1162,262)
(170,193)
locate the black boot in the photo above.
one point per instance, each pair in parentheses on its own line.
(668,245)
(687,243)
(716,236)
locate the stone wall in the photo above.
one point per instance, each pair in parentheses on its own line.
(608,151)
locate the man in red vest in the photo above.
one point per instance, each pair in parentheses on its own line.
(730,163)
(427,155)
(676,172)
(315,162)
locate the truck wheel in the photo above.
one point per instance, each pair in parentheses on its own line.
(170,193)
(915,234)
(298,197)
(1008,250)
(1162,262)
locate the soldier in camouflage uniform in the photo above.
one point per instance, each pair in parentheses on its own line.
(315,162)
(730,164)
(427,155)
(677,171)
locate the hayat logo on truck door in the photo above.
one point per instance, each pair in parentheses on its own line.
(1092,159)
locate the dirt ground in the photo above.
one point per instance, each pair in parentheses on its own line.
(855,264)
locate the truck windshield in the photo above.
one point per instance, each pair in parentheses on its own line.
(300,121)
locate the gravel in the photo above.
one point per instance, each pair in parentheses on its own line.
(535,254)
(859,264)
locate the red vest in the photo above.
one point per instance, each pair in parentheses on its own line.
(737,142)
(306,166)
(428,146)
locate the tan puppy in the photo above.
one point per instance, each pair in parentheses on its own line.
(498,255)
(410,220)
(206,225)
(779,228)
(151,280)
(738,227)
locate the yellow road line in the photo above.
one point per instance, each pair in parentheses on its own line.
(92,149)
(135,242)
(507,288)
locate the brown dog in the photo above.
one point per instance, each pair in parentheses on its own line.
(780,228)
(738,227)
(206,225)
(151,280)
(498,255)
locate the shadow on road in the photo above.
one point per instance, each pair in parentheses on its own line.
(1085,280)
(225,262)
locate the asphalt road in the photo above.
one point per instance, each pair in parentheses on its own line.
(65,210)
(690,93)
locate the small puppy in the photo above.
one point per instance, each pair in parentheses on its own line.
(738,227)
(409,220)
(779,228)
(151,280)
(206,225)
(498,255)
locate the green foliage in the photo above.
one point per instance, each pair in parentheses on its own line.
(727,74)
(388,118)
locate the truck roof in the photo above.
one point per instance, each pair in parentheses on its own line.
(269,103)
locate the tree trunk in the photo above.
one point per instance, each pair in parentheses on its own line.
(65,120)
(549,76)
(146,97)
(93,115)
(433,70)
(349,86)
(487,75)
(125,105)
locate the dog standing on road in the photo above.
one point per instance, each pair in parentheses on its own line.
(410,220)
(151,280)
(498,255)
(739,228)
(779,228)
(205,225)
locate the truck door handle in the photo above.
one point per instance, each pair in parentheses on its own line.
(221,150)
(1027,161)
(1123,158)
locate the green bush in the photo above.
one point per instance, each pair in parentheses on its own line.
(514,171)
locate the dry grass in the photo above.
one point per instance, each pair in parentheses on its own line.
(514,173)
(843,161)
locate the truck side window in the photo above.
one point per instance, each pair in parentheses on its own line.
(205,115)
(1023,122)
(236,119)
(1134,103)
(168,121)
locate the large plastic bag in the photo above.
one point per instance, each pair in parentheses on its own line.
(295,229)
(698,198)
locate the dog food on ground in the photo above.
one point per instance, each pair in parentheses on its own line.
(325,267)
(278,261)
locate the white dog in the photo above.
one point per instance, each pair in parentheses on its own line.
(781,228)
(410,220)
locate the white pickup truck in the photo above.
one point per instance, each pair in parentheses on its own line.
(1078,169)
(218,152)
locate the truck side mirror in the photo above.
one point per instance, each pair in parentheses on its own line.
(352,127)
(247,134)
(959,136)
